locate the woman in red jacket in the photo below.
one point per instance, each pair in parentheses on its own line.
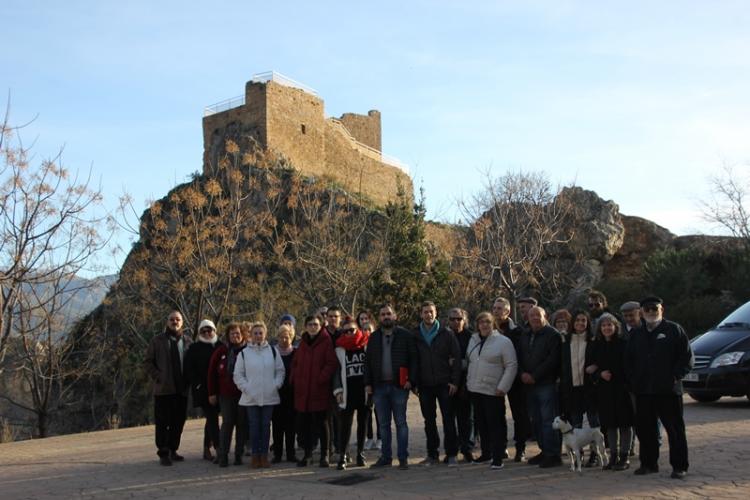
(312,369)
(221,388)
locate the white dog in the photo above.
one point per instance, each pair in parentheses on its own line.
(575,439)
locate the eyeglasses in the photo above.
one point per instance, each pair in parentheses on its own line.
(651,308)
(456,319)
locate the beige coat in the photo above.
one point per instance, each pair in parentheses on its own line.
(494,367)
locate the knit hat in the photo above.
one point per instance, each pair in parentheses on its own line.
(288,317)
(207,322)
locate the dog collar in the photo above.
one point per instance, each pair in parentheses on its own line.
(569,431)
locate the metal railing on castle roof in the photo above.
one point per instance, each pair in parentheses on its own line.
(268,76)
(232,102)
(273,76)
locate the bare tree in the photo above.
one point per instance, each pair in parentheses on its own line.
(517,223)
(197,244)
(49,234)
(726,206)
(333,248)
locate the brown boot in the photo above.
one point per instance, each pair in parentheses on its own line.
(264,461)
(255,461)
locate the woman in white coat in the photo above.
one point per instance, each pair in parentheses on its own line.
(492,369)
(259,374)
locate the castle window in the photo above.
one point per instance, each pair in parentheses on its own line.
(302,127)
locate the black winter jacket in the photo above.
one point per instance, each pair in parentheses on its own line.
(403,355)
(439,362)
(197,359)
(539,354)
(656,361)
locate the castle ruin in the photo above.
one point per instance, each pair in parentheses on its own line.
(288,119)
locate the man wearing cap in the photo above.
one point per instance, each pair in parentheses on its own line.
(164,365)
(631,317)
(524,304)
(657,356)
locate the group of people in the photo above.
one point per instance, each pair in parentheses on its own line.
(618,370)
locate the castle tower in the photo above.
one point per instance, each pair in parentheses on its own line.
(288,119)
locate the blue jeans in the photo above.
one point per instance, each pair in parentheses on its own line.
(390,399)
(259,422)
(542,404)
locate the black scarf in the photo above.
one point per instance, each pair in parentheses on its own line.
(174,354)
(232,352)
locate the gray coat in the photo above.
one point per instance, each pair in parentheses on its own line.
(158,365)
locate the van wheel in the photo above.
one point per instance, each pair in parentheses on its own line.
(704,398)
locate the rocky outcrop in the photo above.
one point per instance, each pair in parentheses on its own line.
(641,239)
(598,231)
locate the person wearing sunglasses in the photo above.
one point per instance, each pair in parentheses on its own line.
(349,389)
(458,324)
(657,357)
(197,360)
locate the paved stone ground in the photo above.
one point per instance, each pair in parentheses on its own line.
(122,464)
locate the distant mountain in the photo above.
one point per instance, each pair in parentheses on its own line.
(81,296)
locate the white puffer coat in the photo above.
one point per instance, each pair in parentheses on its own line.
(259,375)
(492,366)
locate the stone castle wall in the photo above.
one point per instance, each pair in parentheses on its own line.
(291,122)
(365,128)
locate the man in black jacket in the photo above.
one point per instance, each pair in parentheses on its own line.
(539,364)
(164,365)
(439,378)
(391,371)
(657,356)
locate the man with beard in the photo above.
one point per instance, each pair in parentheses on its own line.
(391,371)
(657,356)
(164,365)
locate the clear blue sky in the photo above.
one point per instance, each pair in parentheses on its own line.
(639,101)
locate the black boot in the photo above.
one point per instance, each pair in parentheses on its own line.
(612,462)
(623,463)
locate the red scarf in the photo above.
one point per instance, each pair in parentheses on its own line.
(352,342)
